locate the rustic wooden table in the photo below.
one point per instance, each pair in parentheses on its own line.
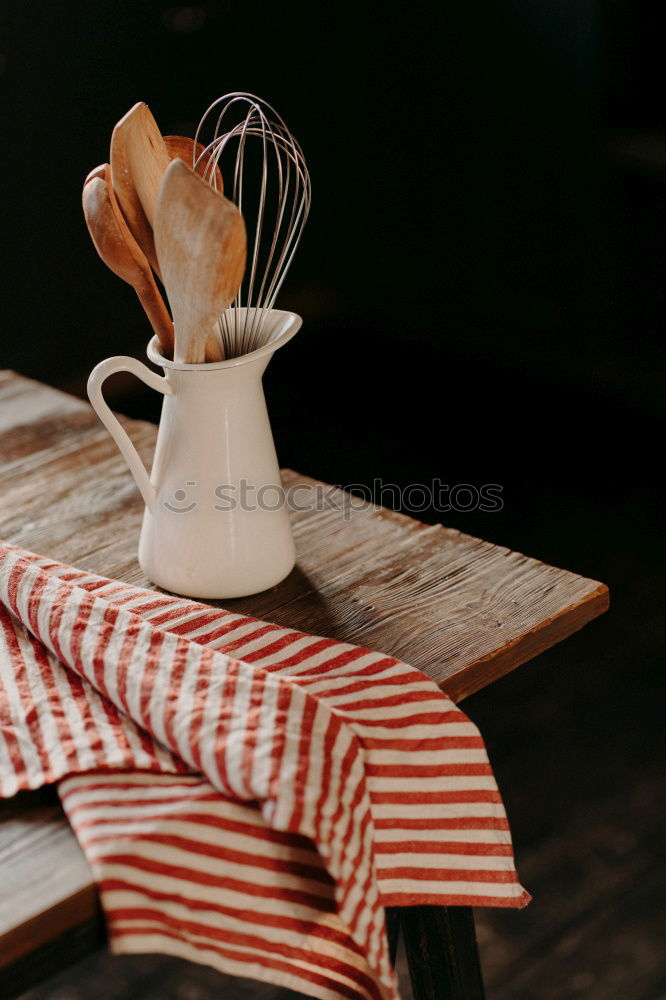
(462,610)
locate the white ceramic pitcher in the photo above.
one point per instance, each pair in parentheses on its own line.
(216,524)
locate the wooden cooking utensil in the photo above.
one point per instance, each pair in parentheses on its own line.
(201,245)
(181,147)
(120,251)
(99,171)
(139,157)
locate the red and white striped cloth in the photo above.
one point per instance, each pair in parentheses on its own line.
(248,796)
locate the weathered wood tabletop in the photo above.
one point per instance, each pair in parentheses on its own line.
(462,610)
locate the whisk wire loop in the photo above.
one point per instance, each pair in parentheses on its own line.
(280,213)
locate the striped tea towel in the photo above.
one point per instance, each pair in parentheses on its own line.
(248,796)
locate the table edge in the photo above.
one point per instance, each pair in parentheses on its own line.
(517,651)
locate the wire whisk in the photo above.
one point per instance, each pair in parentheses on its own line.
(266,175)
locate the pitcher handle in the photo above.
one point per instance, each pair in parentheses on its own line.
(98,376)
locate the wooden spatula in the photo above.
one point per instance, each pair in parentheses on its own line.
(120,251)
(139,157)
(201,246)
(179,146)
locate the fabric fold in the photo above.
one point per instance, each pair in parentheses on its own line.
(232,735)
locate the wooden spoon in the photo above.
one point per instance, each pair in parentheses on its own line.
(201,245)
(139,157)
(179,146)
(120,251)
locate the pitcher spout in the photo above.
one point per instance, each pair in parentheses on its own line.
(277,327)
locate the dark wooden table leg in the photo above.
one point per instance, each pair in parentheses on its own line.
(393,931)
(443,959)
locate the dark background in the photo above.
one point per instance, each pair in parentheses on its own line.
(481,278)
(481,282)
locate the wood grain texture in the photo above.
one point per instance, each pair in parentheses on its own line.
(41,861)
(122,254)
(139,158)
(463,610)
(186,150)
(201,246)
(440,944)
